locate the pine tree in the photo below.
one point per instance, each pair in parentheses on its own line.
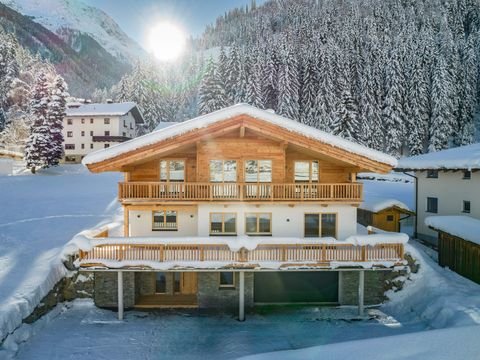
(308,93)
(254,77)
(288,87)
(55,115)
(270,80)
(233,76)
(345,120)
(38,144)
(3,120)
(211,93)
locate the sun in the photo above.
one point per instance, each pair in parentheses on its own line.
(166,41)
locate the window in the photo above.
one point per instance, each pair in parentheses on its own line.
(106,146)
(432,205)
(124,123)
(306,171)
(258,224)
(69,146)
(106,121)
(176,282)
(466,207)
(83,133)
(320,225)
(83,146)
(226,279)
(91,146)
(131,126)
(258,171)
(172,170)
(124,134)
(91,133)
(83,121)
(107,133)
(165,220)
(432,174)
(91,121)
(69,133)
(223,170)
(467,175)
(160,283)
(69,121)
(389,218)
(223,223)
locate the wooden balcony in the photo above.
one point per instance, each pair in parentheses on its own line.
(180,191)
(221,256)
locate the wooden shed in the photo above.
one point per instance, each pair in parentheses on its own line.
(384,214)
(458,244)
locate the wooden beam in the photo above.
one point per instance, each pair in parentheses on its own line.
(242,131)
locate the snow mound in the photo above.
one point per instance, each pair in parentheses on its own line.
(464,227)
(230,112)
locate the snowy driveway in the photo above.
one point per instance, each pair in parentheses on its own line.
(83,331)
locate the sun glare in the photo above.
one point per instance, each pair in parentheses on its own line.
(166,41)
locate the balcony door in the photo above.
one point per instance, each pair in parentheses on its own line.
(223,176)
(258,179)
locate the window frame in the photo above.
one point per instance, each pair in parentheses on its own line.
(106,146)
(464,202)
(310,171)
(226,286)
(91,146)
(223,224)
(320,224)
(106,121)
(69,146)
(223,171)
(69,134)
(165,210)
(82,133)
(91,121)
(427,208)
(69,121)
(168,180)
(258,233)
(107,132)
(389,218)
(432,174)
(258,172)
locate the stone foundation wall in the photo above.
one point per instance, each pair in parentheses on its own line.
(210,295)
(106,290)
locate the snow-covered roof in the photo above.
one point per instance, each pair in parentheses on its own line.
(230,112)
(164,124)
(464,227)
(378,203)
(463,157)
(107,109)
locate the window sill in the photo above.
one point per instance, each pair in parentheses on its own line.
(226,287)
(259,234)
(224,234)
(164,229)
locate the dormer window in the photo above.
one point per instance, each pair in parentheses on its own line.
(432,174)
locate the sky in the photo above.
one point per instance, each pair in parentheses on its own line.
(136,17)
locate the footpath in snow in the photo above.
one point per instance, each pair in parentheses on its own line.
(38,215)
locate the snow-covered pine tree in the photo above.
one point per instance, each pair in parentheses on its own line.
(211,93)
(308,92)
(288,86)
(3,120)
(254,78)
(233,76)
(393,107)
(55,115)
(38,144)
(345,119)
(270,67)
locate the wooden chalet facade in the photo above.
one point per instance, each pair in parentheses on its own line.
(237,207)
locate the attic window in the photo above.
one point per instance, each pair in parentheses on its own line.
(432,174)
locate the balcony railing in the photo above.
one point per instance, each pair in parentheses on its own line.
(178,191)
(146,255)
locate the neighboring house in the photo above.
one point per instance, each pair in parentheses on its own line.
(458,244)
(90,127)
(383,213)
(236,208)
(448,183)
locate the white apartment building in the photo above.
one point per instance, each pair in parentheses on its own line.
(448,183)
(90,127)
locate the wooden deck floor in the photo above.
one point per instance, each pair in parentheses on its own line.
(167,301)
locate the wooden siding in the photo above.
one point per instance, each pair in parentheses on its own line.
(459,255)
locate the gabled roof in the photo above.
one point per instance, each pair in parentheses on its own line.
(463,157)
(376,204)
(253,117)
(107,109)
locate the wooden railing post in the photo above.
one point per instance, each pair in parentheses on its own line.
(364,253)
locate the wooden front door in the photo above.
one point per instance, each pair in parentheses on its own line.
(188,283)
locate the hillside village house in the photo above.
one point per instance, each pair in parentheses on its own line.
(90,127)
(236,208)
(448,183)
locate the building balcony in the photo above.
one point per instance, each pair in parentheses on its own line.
(255,192)
(230,253)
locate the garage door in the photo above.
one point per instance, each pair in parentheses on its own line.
(296,287)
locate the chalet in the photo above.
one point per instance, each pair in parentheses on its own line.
(237,208)
(448,183)
(90,127)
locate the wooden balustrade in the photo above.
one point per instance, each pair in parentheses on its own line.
(239,191)
(290,253)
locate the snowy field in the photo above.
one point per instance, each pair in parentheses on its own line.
(41,213)
(38,215)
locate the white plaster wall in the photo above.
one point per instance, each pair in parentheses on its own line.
(141,223)
(451,189)
(116,128)
(346,217)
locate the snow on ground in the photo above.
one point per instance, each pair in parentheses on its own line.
(39,214)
